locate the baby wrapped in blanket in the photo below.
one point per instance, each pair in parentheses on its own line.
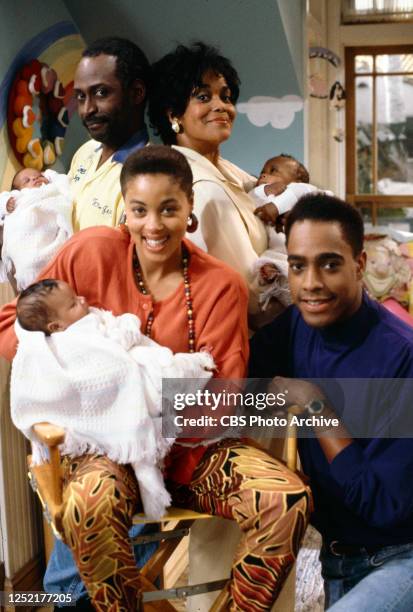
(100,378)
(37,220)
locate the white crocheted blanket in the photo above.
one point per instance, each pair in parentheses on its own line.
(37,228)
(101,380)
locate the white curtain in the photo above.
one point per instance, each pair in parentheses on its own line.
(377,10)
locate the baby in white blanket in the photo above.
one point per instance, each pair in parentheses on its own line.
(100,378)
(282,182)
(37,219)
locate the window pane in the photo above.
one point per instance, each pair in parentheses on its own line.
(394,63)
(364,63)
(364,119)
(394,135)
(398,218)
(355,11)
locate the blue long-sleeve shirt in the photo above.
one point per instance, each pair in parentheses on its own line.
(365,496)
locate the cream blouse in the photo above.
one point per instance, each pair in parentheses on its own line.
(228,228)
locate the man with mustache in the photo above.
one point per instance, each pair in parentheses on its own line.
(360,480)
(110,87)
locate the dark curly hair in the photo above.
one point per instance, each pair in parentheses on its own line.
(131,62)
(174,78)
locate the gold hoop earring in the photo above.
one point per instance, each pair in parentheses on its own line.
(175,126)
(193,223)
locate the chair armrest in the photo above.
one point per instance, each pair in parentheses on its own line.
(48,476)
(291,435)
(48,434)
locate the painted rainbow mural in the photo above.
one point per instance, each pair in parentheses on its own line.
(60,47)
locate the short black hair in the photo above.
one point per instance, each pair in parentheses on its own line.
(301,171)
(174,78)
(158,159)
(131,62)
(328,209)
(32,310)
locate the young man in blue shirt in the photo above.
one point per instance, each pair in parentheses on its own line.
(360,481)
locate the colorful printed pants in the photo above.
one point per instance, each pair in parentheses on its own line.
(233,480)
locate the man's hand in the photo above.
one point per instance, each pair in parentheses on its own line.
(267,213)
(300,392)
(11,205)
(297,392)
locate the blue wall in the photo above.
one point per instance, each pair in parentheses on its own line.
(264,45)
(292,13)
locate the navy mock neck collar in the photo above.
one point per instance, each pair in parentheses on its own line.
(354,330)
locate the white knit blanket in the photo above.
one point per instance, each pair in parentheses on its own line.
(101,381)
(37,228)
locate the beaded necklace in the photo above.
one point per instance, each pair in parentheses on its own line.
(187,291)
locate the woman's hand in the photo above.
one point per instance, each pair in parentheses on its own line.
(268,213)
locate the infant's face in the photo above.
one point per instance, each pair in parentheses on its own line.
(29,178)
(278,170)
(66,306)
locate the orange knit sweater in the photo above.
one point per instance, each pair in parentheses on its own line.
(97,263)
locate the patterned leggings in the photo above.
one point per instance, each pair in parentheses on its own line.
(233,480)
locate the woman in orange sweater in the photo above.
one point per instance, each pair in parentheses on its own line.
(186,300)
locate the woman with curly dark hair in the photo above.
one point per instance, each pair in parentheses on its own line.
(192,106)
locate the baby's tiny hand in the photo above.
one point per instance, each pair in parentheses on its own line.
(10,205)
(267,213)
(269,272)
(275,187)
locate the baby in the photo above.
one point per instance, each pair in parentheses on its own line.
(282,182)
(41,204)
(100,378)
(28,178)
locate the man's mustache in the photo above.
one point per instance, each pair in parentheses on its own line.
(94,119)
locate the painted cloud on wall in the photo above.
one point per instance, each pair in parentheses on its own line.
(280,112)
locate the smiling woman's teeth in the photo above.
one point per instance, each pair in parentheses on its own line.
(155,243)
